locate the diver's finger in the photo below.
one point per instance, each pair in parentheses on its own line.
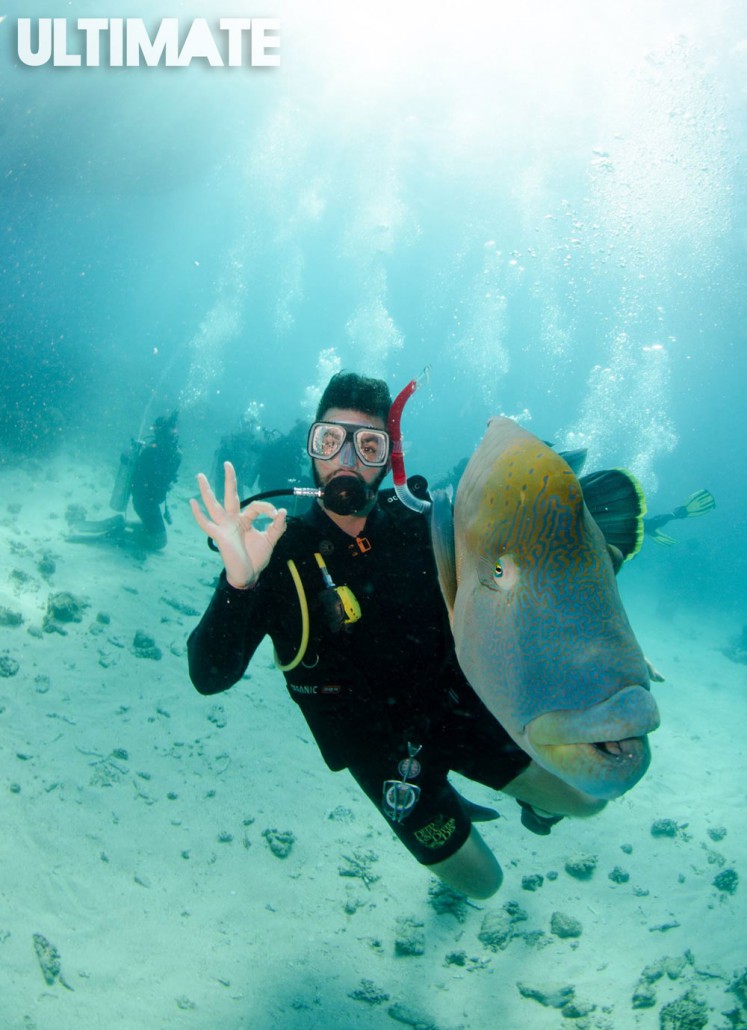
(277,527)
(214,508)
(204,523)
(253,511)
(230,489)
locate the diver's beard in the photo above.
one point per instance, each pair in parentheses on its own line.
(371,489)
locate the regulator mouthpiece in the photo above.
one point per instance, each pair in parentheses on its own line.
(345,495)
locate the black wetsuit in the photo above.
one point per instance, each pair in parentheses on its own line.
(372,687)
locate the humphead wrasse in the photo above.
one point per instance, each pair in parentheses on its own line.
(540,630)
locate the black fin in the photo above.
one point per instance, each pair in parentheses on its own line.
(617,504)
(477,813)
(103,529)
(538,822)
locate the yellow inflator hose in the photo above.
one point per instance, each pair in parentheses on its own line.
(304,620)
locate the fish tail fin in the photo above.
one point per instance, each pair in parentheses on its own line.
(617,504)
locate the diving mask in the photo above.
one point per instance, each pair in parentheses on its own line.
(327,439)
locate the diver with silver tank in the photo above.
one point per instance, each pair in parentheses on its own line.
(147,471)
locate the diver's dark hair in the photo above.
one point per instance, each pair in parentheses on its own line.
(349,390)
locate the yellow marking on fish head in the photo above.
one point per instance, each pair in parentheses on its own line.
(518,496)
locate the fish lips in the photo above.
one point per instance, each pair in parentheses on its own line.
(601,750)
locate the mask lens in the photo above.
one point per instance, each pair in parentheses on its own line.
(371,446)
(325,440)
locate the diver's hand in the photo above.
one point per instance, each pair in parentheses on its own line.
(245,550)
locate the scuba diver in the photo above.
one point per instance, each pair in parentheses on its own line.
(263,456)
(283,458)
(697,504)
(349,595)
(242,449)
(147,471)
(154,473)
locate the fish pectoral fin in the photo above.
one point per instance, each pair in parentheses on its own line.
(442,540)
(617,557)
(654,675)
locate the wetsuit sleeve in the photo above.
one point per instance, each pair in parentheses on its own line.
(220,646)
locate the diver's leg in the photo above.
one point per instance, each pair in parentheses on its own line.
(438,824)
(153,530)
(542,790)
(473,869)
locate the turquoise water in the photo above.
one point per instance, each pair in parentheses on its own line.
(545,206)
(544,203)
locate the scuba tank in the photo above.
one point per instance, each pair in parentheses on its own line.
(123,483)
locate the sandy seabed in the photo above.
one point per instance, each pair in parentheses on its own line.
(143,879)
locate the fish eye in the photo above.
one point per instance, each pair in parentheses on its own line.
(501,574)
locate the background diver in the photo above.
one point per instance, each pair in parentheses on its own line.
(698,503)
(147,471)
(263,457)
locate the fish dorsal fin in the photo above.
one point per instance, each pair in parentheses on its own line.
(442,540)
(617,504)
(575,459)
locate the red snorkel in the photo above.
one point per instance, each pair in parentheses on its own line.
(397,457)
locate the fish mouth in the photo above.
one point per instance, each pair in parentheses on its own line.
(620,750)
(602,750)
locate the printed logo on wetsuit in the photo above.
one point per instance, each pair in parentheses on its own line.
(316,688)
(436,833)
